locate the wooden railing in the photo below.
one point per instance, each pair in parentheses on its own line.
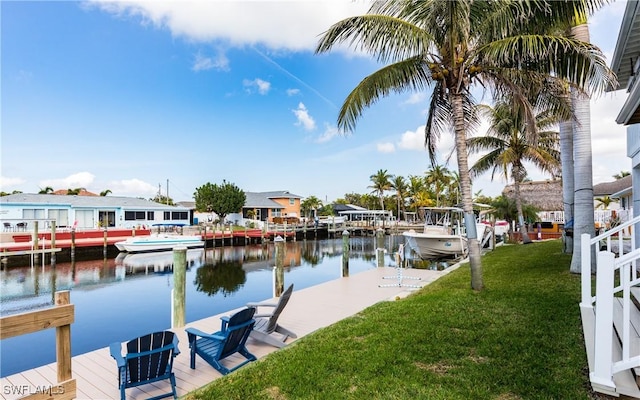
(61,316)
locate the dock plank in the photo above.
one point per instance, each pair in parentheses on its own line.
(308,310)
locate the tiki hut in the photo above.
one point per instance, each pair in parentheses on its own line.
(543,195)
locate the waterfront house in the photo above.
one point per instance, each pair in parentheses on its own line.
(19,211)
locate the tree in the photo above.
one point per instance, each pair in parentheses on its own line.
(452,46)
(399,184)
(162,199)
(222,199)
(46,190)
(503,207)
(74,192)
(509,147)
(439,177)
(381,182)
(105,192)
(604,202)
(311,203)
(622,174)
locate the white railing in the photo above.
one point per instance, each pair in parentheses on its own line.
(625,265)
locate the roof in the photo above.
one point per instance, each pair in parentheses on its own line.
(83,192)
(627,49)
(83,201)
(259,200)
(279,194)
(544,195)
(609,188)
(347,207)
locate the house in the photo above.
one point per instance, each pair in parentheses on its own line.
(261,206)
(607,189)
(87,212)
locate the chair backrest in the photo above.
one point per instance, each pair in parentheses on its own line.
(238,330)
(150,356)
(273,320)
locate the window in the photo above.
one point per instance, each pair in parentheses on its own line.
(135,215)
(167,215)
(276,212)
(61,217)
(292,201)
(150,215)
(176,215)
(33,213)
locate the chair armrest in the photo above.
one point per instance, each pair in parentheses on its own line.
(198,332)
(116,352)
(225,322)
(175,345)
(254,305)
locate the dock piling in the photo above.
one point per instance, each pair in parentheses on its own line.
(179,286)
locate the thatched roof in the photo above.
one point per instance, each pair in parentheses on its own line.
(544,195)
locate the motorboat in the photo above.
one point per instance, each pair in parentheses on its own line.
(443,235)
(159,242)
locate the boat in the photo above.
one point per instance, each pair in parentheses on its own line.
(159,242)
(443,235)
(160,262)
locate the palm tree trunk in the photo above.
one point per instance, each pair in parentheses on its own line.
(475,260)
(566,159)
(583,165)
(523,230)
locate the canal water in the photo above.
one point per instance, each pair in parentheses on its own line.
(117,299)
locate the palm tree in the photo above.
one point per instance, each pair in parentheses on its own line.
(604,202)
(509,147)
(46,190)
(439,177)
(451,46)
(105,192)
(75,191)
(311,203)
(416,186)
(381,182)
(399,184)
(622,174)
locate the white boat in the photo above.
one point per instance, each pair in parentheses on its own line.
(159,242)
(443,235)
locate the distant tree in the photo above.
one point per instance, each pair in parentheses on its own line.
(74,192)
(325,210)
(604,202)
(7,193)
(310,204)
(381,182)
(105,192)
(438,178)
(622,174)
(222,199)
(46,190)
(505,208)
(399,184)
(162,199)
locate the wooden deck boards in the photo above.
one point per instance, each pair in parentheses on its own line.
(308,310)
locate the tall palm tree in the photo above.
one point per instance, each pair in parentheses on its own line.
(415,188)
(381,182)
(451,46)
(604,202)
(399,184)
(509,147)
(311,203)
(46,190)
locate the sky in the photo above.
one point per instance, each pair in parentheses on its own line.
(141,97)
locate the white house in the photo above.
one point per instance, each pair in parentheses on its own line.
(84,212)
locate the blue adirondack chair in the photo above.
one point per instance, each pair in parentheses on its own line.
(149,359)
(217,346)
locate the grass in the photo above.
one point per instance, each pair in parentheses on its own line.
(520,338)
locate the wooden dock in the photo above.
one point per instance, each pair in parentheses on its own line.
(308,310)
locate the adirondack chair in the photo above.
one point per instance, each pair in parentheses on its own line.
(267,327)
(149,359)
(231,339)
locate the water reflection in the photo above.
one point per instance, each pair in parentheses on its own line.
(225,277)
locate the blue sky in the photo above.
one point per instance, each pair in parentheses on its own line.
(128,96)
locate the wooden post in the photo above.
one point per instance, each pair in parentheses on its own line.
(179,284)
(63,341)
(53,242)
(73,243)
(104,246)
(380,247)
(278,287)
(36,256)
(345,253)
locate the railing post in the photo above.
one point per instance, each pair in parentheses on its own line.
(63,341)
(585,270)
(602,371)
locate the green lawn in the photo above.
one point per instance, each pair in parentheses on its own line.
(520,338)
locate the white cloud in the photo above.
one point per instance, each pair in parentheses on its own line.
(412,140)
(291,25)
(303,117)
(133,187)
(386,147)
(416,98)
(74,181)
(329,133)
(204,63)
(7,184)
(293,92)
(263,87)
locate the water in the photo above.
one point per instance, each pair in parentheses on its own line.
(119,299)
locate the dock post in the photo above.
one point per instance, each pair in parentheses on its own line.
(73,243)
(278,272)
(380,247)
(104,242)
(36,256)
(53,242)
(345,253)
(179,284)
